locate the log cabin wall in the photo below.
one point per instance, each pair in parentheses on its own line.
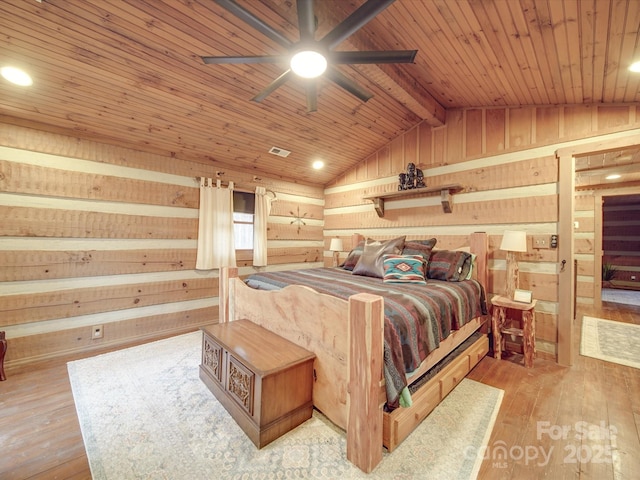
(96,235)
(505,160)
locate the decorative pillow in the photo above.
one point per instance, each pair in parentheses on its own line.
(353,257)
(419,247)
(371,261)
(449,265)
(404,269)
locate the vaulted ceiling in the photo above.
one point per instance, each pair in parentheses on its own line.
(129,72)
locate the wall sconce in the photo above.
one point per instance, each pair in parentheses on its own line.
(513,241)
(336,248)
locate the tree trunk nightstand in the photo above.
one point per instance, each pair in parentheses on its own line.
(264,381)
(501,325)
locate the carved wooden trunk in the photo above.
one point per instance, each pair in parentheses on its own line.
(264,381)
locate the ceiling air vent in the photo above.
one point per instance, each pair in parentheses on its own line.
(281,152)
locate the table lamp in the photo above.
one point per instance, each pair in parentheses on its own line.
(512,242)
(336,248)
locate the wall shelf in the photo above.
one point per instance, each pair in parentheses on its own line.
(445,196)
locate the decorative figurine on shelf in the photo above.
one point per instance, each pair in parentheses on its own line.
(411,176)
(420,179)
(402,181)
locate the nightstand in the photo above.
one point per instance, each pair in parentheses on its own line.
(501,325)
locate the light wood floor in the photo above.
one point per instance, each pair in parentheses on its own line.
(544,409)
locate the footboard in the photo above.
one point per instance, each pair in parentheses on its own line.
(347,338)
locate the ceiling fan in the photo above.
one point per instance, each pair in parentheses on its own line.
(315,54)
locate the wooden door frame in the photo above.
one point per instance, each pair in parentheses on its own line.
(566,205)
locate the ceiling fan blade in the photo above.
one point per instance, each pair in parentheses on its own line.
(392,56)
(359,18)
(312,96)
(250,19)
(246,59)
(278,82)
(349,85)
(306,20)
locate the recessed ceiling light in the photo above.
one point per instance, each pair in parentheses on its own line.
(318,164)
(613,176)
(635,67)
(17,76)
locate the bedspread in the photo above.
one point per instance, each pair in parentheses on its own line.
(417,317)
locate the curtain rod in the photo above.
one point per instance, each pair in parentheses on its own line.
(236,186)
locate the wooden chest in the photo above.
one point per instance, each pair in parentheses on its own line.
(264,381)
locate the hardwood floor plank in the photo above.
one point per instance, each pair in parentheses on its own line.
(40,435)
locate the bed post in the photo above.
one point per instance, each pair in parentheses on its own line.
(364,367)
(225,293)
(479,246)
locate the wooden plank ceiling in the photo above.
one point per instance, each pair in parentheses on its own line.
(129,72)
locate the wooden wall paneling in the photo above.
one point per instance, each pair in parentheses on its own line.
(496,123)
(455,137)
(372,166)
(547,125)
(279,256)
(530,210)
(295,230)
(56,144)
(610,117)
(293,209)
(425,143)
(577,121)
(410,142)
(535,171)
(584,245)
(43,347)
(396,152)
(42,181)
(46,222)
(439,137)
(385,166)
(474,128)
(520,127)
(17,265)
(55,304)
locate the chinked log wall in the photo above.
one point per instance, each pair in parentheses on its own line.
(505,160)
(100,235)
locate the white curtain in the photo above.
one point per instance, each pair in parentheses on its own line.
(260,219)
(215,227)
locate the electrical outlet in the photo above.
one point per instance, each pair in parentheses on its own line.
(96,332)
(541,241)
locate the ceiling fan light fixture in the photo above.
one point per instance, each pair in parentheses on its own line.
(308,64)
(635,67)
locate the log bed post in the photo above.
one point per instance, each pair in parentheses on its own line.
(364,370)
(224,288)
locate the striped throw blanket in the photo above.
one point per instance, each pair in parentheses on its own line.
(417,317)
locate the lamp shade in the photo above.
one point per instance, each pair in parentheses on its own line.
(514,241)
(336,245)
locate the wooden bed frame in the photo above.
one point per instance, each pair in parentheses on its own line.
(347,338)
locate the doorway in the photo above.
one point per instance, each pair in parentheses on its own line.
(621,249)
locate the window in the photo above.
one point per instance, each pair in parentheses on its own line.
(243,211)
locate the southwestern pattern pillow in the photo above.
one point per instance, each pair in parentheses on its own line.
(449,265)
(404,269)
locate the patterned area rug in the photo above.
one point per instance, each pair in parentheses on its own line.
(145,413)
(615,342)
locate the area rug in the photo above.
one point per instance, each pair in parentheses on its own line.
(145,413)
(611,341)
(616,295)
